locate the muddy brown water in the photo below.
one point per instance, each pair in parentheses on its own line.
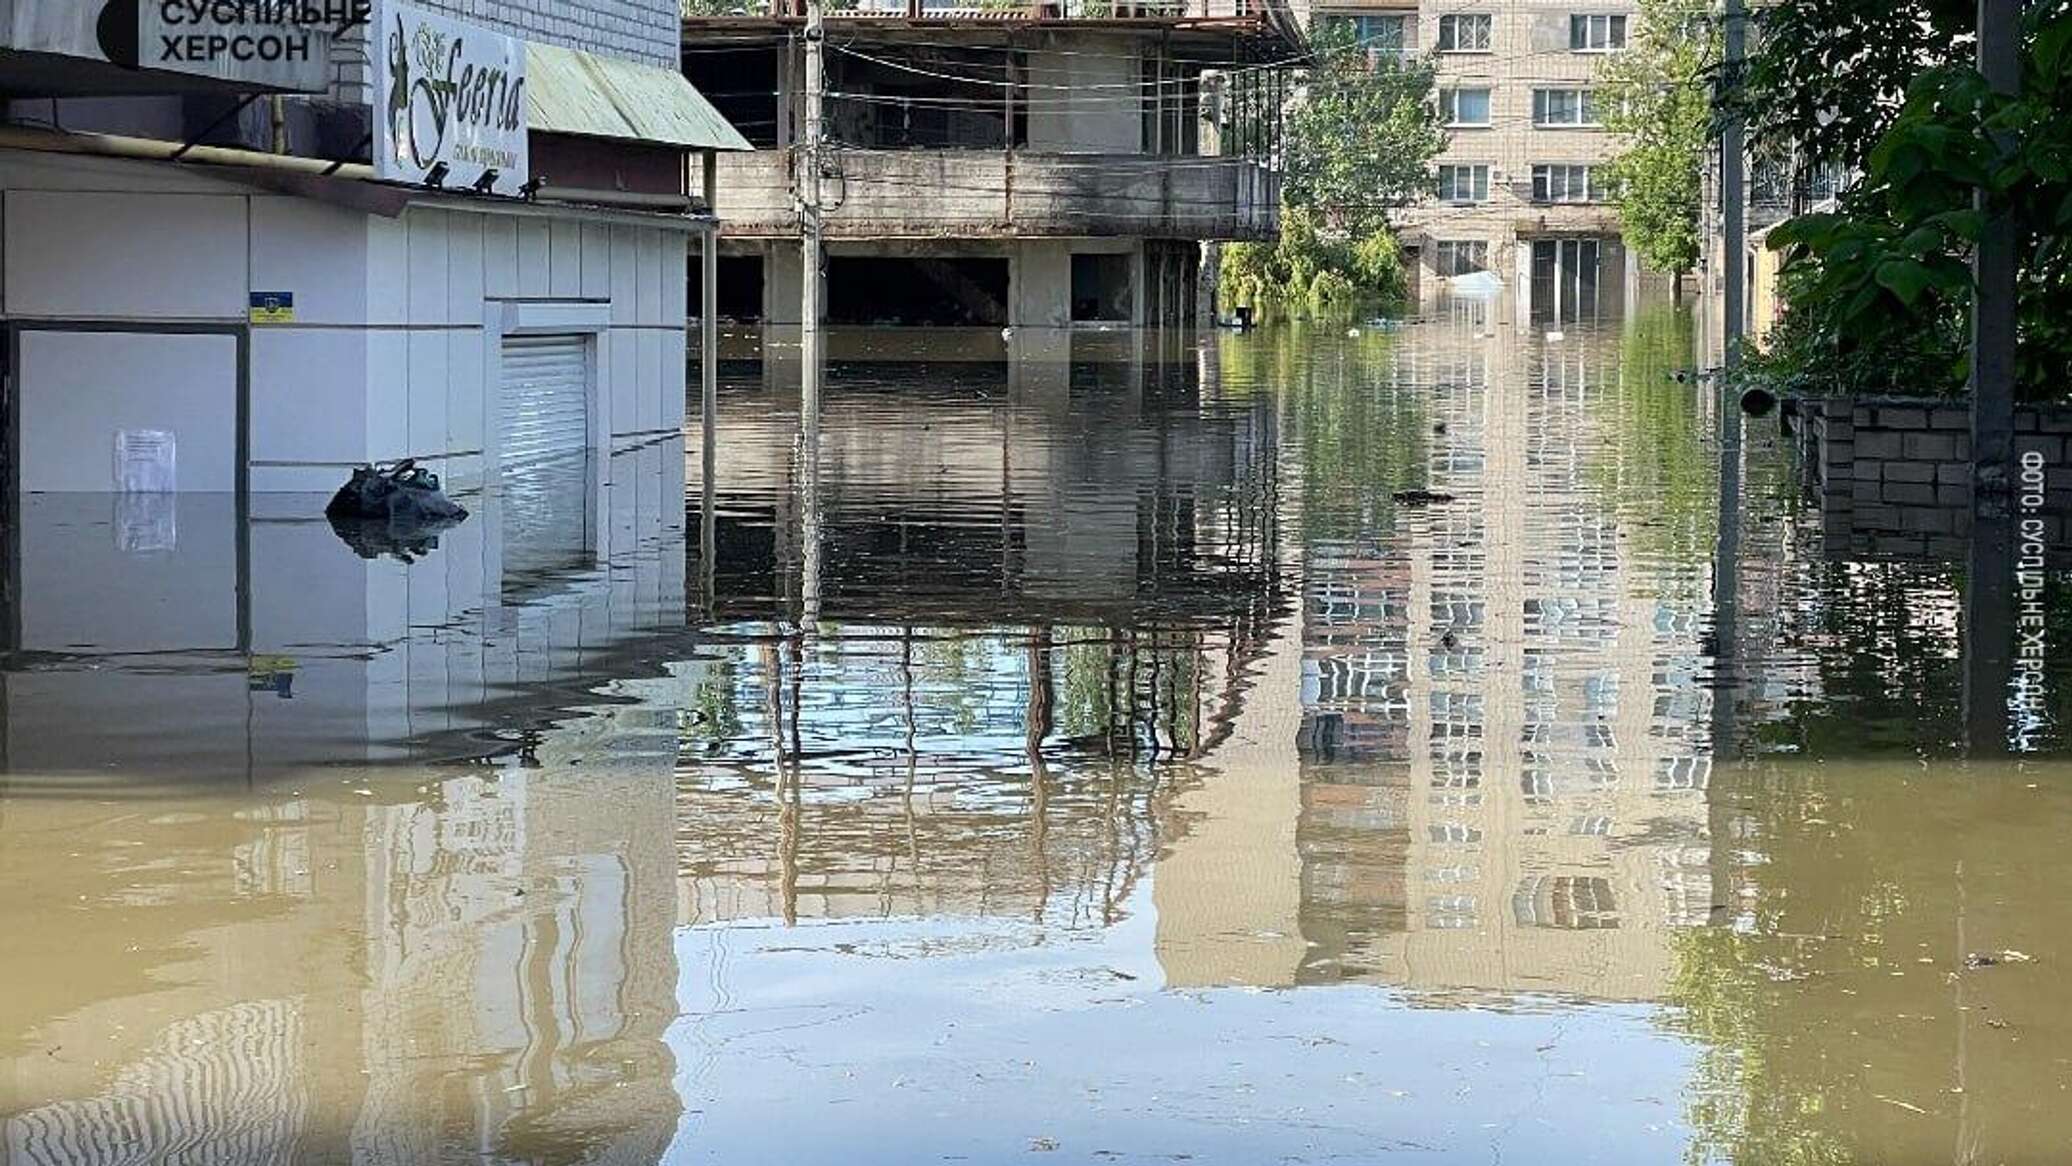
(1092,760)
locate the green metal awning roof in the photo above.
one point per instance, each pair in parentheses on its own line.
(572,92)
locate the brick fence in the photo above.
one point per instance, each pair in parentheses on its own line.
(1893,475)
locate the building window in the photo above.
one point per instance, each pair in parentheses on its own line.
(1464,183)
(1566,902)
(1391,34)
(1466,33)
(1555,182)
(1596,33)
(1564,107)
(1461,256)
(1464,107)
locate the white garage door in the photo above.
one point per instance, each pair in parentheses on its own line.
(545,494)
(546,397)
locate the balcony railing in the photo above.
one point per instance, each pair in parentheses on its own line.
(993,194)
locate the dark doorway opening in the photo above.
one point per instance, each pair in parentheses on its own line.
(923,291)
(742,84)
(740,288)
(1567,280)
(1101,289)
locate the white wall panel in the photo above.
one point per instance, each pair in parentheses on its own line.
(647,307)
(426,232)
(676,275)
(430,387)
(388,395)
(466,268)
(467,397)
(565,259)
(125,256)
(649,388)
(499,256)
(309,396)
(388,271)
(625,273)
(624,364)
(675,378)
(79,388)
(533,250)
(597,261)
(316,251)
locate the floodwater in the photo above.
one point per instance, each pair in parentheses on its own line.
(1089,757)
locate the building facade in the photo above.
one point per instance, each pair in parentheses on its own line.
(1521,190)
(1035,168)
(215,276)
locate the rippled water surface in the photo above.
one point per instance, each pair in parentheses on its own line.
(1095,754)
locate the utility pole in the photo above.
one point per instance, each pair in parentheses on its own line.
(1733,183)
(1726,576)
(1993,266)
(809,163)
(1989,594)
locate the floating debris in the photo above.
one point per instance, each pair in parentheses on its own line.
(1420,497)
(1996,958)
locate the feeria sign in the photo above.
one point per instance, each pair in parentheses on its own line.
(447,93)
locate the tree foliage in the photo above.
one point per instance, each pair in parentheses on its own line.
(1310,272)
(1359,139)
(1827,77)
(1888,271)
(1658,98)
(1362,135)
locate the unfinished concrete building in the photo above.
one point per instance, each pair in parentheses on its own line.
(1039,166)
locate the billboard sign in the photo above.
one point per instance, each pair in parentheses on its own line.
(264,44)
(449,102)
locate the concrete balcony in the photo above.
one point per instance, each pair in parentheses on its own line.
(990,194)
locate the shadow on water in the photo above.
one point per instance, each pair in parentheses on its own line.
(959,797)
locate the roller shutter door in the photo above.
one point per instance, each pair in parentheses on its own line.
(546,397)
(545,430)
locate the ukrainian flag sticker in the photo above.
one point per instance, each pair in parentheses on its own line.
(273,307)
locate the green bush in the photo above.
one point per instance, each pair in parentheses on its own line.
(1331,293)
(1312,272)
(1377,265)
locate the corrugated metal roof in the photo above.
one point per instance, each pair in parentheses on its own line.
(572,92)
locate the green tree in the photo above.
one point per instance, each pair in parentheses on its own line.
(1361,136)
(1359,139)
(1826,78)
(1657,97)
(1889,268)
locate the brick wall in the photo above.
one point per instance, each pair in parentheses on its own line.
(1893,476)
(648,31)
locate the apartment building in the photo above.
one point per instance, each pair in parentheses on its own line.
(1521,190)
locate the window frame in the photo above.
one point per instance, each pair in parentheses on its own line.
(1595,187)
(1449,107)
(1477,187)
(1587,115)
(1446,256)
(1586,22)
(1453,22)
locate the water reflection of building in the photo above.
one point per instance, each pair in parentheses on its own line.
(338,962)
(234,643)
(1027,581)
(1498,786)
